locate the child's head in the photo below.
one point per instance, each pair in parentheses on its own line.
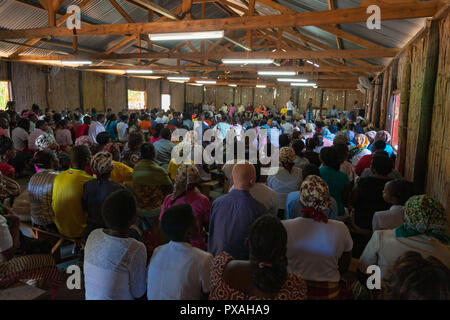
(179,223)
(119,210)
(398,191)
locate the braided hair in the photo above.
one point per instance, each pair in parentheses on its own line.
(267,244)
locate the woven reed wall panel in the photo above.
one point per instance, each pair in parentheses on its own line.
(29,86)
(246,96)
(93,91)
(4,71)
(177,96)
(115,93)
(438,177)
(153,88)
(64,89)
(264,96)
(224,95)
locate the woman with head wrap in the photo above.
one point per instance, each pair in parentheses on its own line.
(85,141)
(287,179)
(356,153)
(423,231)
(96,191)
(386,137)
(185,191)
(121,173)
(320,265)
(327,137)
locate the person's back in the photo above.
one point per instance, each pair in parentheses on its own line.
(163,148)
(233,214)
(114,264)
(314,248)
(70,217)
(178,271)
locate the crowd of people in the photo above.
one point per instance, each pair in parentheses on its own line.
(112,181)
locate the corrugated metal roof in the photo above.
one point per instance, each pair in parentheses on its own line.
(14,15)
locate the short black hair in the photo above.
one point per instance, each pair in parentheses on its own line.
(86,120)
(401,189)
(165,133)
(80,156)
(100,117)
(24,124)
(379,145)
(135,140)
(342,151)
(103,137)
(148,151)
(284,140)
(43,159)
(176,221)
(40,123)
(330,158)
(5,144)
(298,145)
(64,161)
(310,170)
(119,209)
(382,164)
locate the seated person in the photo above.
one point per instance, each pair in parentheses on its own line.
(7,153)
(96,191)
(264,275)
(40,190)
(368,194)
(131,153)
(185,191)
(337,181)
(163,148)
(396,193)
(294,205)
(114,264)
(318,249)
(70,218)
(360,150)
(415,278)
(151,183)
(300,159)
(423,231)
(365,162)
(287,179)
(178,271)
(120,173)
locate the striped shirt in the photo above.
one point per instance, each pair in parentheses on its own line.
(40,189)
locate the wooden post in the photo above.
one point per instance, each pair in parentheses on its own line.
(377,102)
(426,106)
(403,112)
(384,99)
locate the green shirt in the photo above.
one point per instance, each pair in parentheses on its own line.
(336,181)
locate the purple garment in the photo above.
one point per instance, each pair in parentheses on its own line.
(231,218)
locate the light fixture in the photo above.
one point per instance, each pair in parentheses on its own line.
(247,61)
(186,35)
(139,71)
(315,87)
(179,78)
(206,81)
(75,62)
(299,84)
(310,62)
(316,65)
(277,73)
(261,86)
(232,85)
(291,80)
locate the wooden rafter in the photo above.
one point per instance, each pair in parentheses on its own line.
(121,11)
(339,16)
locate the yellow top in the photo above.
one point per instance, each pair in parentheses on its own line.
(121,172)
(173,168)
(70,219)
(283,110)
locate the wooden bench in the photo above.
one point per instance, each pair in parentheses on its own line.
(59,237)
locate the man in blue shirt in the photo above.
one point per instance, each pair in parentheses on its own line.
(233,214)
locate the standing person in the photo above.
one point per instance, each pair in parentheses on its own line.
(20,138)
(290,107)
(122,127)
(231,110)
(309,111)
(233,214)
(264,274)
(186,180)
(70,218)
(177,270)
(96,191)
(96,126)
(333,113)
(114,263)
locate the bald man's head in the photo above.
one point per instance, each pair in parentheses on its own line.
(244,175)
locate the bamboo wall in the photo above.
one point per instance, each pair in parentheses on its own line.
(421,75)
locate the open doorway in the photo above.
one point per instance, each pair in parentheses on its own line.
(5,93)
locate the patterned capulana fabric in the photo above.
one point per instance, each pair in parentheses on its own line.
(40,190)
(424,215)
(287,155)
(314,193)
(293,289)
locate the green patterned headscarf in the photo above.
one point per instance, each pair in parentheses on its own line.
(423,215)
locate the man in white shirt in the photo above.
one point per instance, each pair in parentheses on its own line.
(288,128)
(290,107)
(333,113)
(96,126)
(178,271)
(122,127)
(19,135)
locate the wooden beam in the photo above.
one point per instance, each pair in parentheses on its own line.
(120,44)
(121,11)
(331,6)
(186,8)
(340,16)
(291,54)
(51,6)
(59,22)
(153,6)
(250,13)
